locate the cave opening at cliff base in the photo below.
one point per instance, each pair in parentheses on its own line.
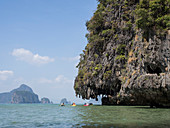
(157,70)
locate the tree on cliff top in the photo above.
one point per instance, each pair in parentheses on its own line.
(153,15)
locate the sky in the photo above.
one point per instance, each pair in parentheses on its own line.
(40,44)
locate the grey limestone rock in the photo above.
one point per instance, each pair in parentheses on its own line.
(123,66)
(23,94)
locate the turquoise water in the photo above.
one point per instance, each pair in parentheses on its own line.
(54,116)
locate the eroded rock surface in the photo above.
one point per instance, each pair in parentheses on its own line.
(125,62)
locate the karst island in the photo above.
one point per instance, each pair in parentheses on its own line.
(127,58)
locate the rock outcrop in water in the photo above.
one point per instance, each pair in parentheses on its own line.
(23,94)
(127,58)
(64,100)
(45,101)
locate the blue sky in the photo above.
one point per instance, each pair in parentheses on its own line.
(40,43)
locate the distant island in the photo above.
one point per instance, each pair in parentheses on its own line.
(64,100)
(45,101)
(23,94)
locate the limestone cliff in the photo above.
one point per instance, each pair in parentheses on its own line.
(19,97)
(127,57)
(23,94)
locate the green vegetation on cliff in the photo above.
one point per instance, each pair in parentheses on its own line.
(126,39)
(153,15)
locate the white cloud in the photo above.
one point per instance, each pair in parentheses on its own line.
(60,79)
(5,74)
(28,56)
(45,81)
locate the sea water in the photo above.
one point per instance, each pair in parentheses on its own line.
(55,116)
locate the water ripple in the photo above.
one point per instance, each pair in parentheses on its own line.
(54,116)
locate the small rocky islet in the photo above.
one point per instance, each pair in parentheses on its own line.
(127,58)
(64,100)
(45,100)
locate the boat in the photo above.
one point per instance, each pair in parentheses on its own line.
(62,104)
(73,104)
(86,104)
(90,104)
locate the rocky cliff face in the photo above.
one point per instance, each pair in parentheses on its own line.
(23,94)
(45,101)
(127,58)
(24,97)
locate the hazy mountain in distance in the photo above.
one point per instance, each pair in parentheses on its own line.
(23,94)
